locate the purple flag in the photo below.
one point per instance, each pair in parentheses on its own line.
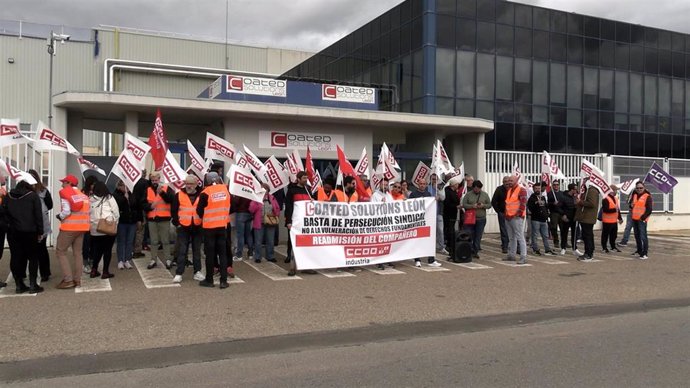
(660,179)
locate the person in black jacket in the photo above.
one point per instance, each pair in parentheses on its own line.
(451,204)
(4,221)
(46,207)
(498,202)
(127,225)
(554,216)
(139,193)
(296,192)
(539,215)
(23,207)
(567,210)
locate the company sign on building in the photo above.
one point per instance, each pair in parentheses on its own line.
(344,93)
(256,86)
(300,140)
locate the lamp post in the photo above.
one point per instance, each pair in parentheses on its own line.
(51,51)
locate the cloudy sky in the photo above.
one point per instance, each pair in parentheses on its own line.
(302,24)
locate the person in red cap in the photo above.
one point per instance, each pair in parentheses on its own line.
(74,218)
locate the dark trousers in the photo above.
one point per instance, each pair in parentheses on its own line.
(2,242)
(101,247)
(86,249)
(609,233)
(554,220)
(43,258)
(23,246)
(449,234)
(503,230)
(565,227)
(215,247)
(228,243)
(588,238)
(289,246)
(185,236)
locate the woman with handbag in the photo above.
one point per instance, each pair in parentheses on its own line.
(264,224)
(475,203)
(104,216)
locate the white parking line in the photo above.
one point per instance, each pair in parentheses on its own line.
(157,277)
(470,265)
(334,273)
(511,263)
(426,268)
(93,285)
(8,292)
(386,271)
(271,270)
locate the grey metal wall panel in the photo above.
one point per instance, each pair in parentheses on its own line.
(161,85)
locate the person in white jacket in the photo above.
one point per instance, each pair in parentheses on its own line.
(103,206)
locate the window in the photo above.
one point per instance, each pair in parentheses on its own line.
(651,60)
(540,138)
(465,75)
(557,89)
(485,76)
(444,106)
(559,21)
(591,84)
(664,40)
(665,63)
(486,37)
(540,18)
(540,92)
(623,32)
(677,98)
(590,119)
(678,42)
(486,10)
(504,136)
(621,92)
(591,144)
(607,54)
(621,122)
(575,24)
(445,71)
(574,140)
(606,91)
(606,142)
(651,37)
(523,113)
(558,139)
(574,87)
(574,118)
(650,94)
(559,48)
(622,56)
(523,43)
(445,6)
(504,112)
(540,115)
(541,44)
(466,34)
(558,116)
(636,58)
(608,30)
(637,34)
(575,49)
(523,137)
(664,96)
(592,52)
(467,8)
(485,110)
(678,65)
(464,108)
(651,145)
(591,27)
(504,78)
(523,86)
(504,12)
(622,143)
(445,31)
(504,40)
(523,15)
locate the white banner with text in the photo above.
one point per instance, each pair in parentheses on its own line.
(336,234)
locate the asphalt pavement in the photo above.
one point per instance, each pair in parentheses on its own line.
(143,312)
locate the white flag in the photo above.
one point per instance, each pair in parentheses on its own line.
(197,164)
(422,172)
(243,183)
(47,139)
(253,161)
(627,187)
(587,168)
(219,149)
(596,177)
(128,168)
(19,175)
(10,133)
(296,160)
(385,170)
(387,154)
(549,166)
(137,149)
(86,165)
(274,174)
(362,167)
(172,173)
(517,173)
(442,159)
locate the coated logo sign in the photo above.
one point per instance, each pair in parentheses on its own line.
(348,94)
(256,86)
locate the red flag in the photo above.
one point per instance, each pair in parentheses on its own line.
(347,169)
(314,178)
(158,142)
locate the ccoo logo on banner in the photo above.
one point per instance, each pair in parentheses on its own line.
(256,86)
(300,140)
(344,93)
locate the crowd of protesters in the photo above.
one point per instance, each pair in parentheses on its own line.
(93,220)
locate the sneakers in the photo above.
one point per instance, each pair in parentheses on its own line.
(418,264)
(381,267)
(292,272)
(644,257)
(584,258)
(204,283)
(521,262)
(199,276)
(120,265)
(623,244)
(443,251)
(65,285)
(237,258)
(152,264)
(577,253)
(550,252)
(616,250)
(87,269)
(562,252)
(224,285)
(435,264)
(128,264)
(606,250)
(634,254)
(168,264)
(537,252)
(177,279)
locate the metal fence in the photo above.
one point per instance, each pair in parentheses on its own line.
(630,167)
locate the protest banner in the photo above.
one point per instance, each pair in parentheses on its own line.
(336,234)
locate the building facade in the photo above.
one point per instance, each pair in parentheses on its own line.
(550,80)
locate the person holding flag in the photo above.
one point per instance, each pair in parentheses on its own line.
(610,218)
(213,207)
(586,214)
(296,192)
(641,209)
(157,208)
